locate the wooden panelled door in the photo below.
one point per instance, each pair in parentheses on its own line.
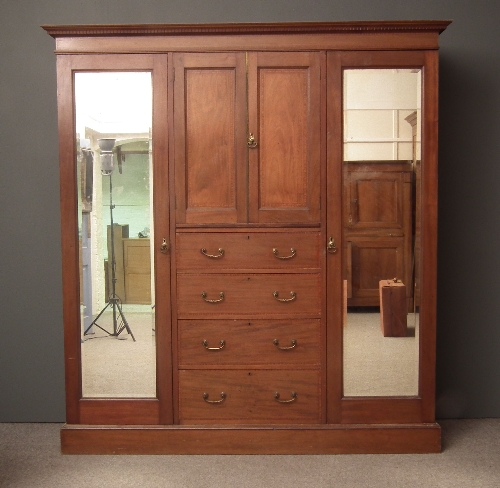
(268,104)
(284,92)
(378,227)
(210,138)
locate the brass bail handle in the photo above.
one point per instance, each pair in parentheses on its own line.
(292,399)
(293,296)
(164,246)
(213,256)
(332,248)
(251,142)
(293,343)
(222,344)
(292,253)
(204,295)
(222,396)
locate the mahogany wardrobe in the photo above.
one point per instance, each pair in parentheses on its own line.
(233,198)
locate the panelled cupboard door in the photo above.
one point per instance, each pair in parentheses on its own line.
(210,137)
(264,107)
(284,91)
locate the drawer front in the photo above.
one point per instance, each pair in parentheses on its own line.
(248,295)
(237,250)
(216,343)
(249,396)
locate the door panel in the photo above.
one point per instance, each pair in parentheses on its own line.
(284,117)
(377,196)
(210,159)
(374,259)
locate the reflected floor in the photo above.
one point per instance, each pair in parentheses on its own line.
(376,365)
(120,367)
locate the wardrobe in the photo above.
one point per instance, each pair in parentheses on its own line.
(279,187)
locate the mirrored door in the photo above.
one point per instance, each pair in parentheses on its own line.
(113,114)
(381,223)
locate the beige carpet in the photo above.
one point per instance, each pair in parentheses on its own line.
(30,458)
(375,365)
(120,367)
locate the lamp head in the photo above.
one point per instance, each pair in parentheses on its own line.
(106,146)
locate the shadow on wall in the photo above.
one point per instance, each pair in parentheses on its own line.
(468,203)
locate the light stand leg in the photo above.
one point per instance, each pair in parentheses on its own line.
(94,322)
(124,324)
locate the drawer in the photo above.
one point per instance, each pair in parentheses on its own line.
(248,295)
(238,250)
(249,396)
(215,343)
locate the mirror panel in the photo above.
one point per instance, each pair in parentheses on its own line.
(381,171)
(113,112)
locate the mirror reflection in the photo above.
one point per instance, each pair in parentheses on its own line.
(381,214)
(113,112)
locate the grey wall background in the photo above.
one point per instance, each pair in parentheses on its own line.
(31,339)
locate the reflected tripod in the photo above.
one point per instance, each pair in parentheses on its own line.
(114,301)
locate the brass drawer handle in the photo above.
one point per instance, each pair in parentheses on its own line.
(204,296)
(292,294)
(277,398)
(276,252)
(205,345)
(293,343)
(213,256)
(222,396)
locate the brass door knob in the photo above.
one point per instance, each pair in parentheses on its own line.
(332,248)
(251,142)
(164,246)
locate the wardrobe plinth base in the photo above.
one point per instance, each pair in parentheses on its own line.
(324,439)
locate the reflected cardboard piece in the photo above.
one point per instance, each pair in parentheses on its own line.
(381,216)
(115,258)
